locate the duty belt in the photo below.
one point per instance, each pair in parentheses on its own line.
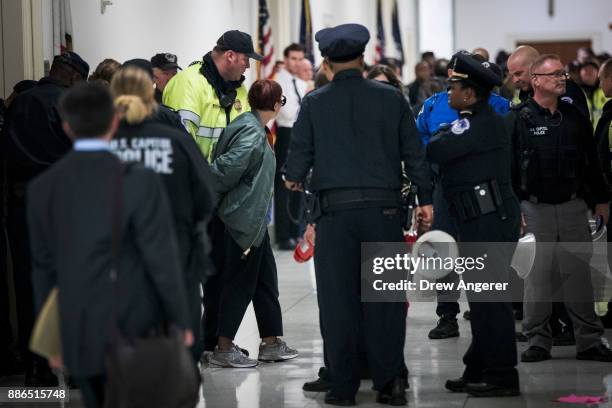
(344,199)
(482,199)
(539,200)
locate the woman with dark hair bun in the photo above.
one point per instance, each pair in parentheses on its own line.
(383,73)
(243,168)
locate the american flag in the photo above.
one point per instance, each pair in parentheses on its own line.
(380,35)
(397,35)
(266,48)
(306,30)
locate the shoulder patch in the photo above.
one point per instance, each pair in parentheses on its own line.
(567,99)
(460,126)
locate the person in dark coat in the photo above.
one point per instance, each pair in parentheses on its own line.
(32,140)
(174,155)
(70,213)
(475,155)
(359,196)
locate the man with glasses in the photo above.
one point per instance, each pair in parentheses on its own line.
(555,165)
(518,68)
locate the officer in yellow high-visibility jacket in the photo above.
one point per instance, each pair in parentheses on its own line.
(595,97)
(209,94)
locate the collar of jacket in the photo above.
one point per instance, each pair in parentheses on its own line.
(347,74)
(475,108)
(210,71)
(52,81)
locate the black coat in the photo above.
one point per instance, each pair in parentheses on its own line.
(603,133)
(33,137)
(69,217)
(355,133)
(186,174)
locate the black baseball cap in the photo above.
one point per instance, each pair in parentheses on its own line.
(165,61)
(238,41)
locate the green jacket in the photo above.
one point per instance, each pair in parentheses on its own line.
(243,170)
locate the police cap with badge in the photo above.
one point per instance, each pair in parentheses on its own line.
(343,43)
(473,70)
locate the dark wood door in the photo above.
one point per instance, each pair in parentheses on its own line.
(564,49)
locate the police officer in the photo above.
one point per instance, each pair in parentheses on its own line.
(557,169)
(366,129)
(33,140)
(208,95)
(474,157)
(436,112)
(141,137)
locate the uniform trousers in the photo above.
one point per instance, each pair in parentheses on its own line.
(566,222)
(285,202)
(245,279)
(348,326)
(448,305)
(212,285)
(491,356)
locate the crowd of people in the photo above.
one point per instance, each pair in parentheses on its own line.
(171,177)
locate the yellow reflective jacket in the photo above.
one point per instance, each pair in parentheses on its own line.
(191,95)
(596,104)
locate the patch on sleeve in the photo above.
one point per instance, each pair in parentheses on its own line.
(460,126)
(568,100)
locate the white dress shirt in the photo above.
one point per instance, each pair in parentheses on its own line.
(292,87)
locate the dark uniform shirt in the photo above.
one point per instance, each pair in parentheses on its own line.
(33,137)
(563,162)
(603,138)
(364,130)
(175,156)
(475,149)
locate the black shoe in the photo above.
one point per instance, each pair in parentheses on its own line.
(534,354)
(565,338)
(486,390)
(40,375)
(466,315)
(456,385)
(446,328)
(597,353)
(394,393)
(343,402)
(520,337)
(321,384)
(287,245)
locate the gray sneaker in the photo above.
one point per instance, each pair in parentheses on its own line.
(231,358)
(279,351)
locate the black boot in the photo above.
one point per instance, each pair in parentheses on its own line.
(394,393)
(321,384)
(447,327)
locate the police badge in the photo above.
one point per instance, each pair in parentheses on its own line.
(237,105)
(460,126)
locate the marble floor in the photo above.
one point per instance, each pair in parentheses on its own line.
(430,362)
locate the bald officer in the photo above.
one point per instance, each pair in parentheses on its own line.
(366,129)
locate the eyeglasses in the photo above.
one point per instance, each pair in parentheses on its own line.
(556,74)
(283,100)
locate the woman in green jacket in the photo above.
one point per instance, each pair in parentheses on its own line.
(243,168)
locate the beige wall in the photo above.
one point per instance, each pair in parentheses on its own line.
(21,39)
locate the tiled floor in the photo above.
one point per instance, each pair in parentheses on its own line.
(430,362)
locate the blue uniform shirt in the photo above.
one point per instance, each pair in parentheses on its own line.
(436,111)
